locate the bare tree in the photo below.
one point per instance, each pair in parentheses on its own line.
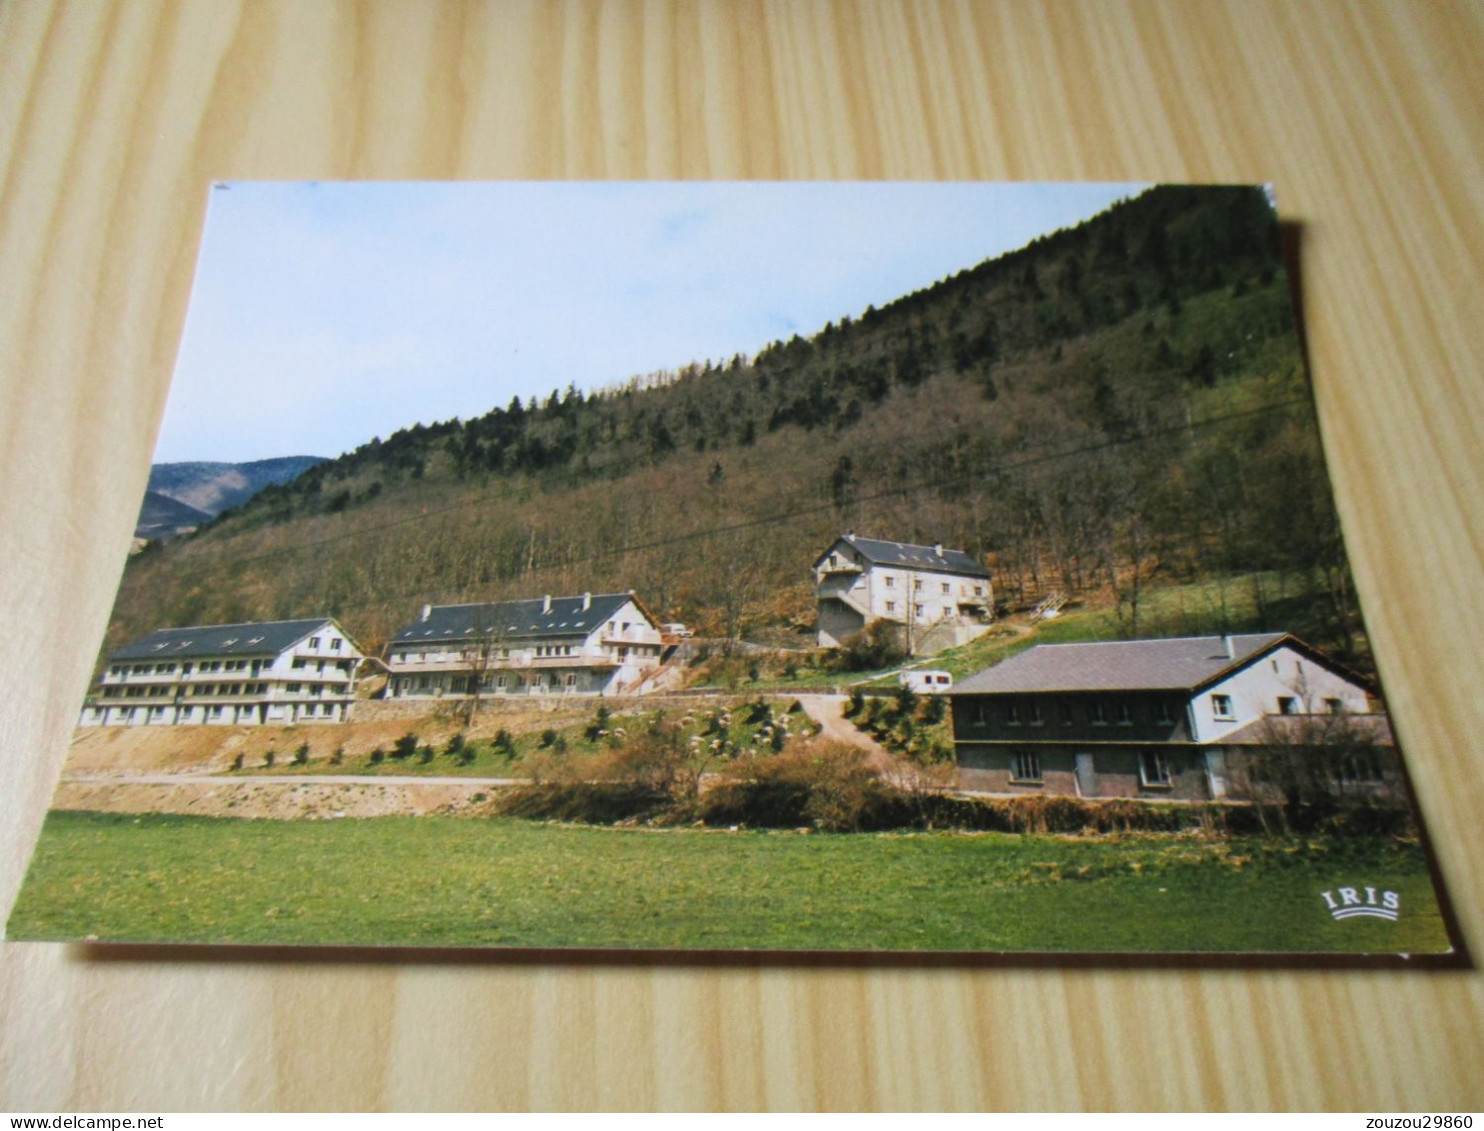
(482,654)
(1317,763)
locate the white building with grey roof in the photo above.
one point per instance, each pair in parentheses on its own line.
(273,672)
(583,645)
(1158,718)
(940,597)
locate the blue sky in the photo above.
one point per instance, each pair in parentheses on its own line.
(327,313)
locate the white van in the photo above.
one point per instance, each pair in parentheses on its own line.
(929,682)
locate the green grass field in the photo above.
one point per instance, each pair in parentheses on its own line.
(439,881)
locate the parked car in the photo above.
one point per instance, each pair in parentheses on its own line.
(677,629)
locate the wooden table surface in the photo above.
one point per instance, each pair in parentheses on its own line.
(115,117)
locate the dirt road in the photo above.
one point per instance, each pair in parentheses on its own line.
(828,712)
(311,797)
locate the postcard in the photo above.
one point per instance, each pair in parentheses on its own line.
(903,569)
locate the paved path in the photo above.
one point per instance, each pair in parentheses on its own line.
(828,712)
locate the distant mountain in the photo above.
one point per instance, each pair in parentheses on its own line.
(163,517)
(182,496)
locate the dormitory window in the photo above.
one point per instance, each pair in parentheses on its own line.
(891,606)
(1287,705)
(891,582)
(335,644)
(1012,714)
(314,642)
(1164,713)
(1221,706)
(1068,715)
(1026,767)
(1153,769)
(1334,706)
(1033,714)
(1125,716)
(1099,713)
(945,588)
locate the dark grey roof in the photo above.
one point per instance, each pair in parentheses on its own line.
(910,556)
(1181,663)
(267,638)
(509,620)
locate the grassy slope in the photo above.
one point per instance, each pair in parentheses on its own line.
(450,882)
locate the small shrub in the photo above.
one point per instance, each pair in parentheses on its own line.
(455,745)
(377,756)
(405,747)
(268,760)
(777,736)
(338,757)
(301,755)
(855,704)
(599,727)
(237,762)
(878,645)
(504,744)
(549,738)
(424,754)
(758,711)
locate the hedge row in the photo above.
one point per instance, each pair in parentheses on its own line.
(877,806)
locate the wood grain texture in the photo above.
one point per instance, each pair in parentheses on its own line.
(115,117)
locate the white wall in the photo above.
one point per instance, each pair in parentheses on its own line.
(1255,690)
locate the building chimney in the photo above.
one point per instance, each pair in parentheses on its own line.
(426,613)
(546,603)
(587,601)
(1226,646)
(938,548)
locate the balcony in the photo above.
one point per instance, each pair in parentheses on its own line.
(510,663)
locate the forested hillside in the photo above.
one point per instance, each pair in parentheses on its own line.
(1115,406)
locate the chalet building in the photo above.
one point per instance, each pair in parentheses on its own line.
(587,645)
(281,672)
(1163,719)
(940,597)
